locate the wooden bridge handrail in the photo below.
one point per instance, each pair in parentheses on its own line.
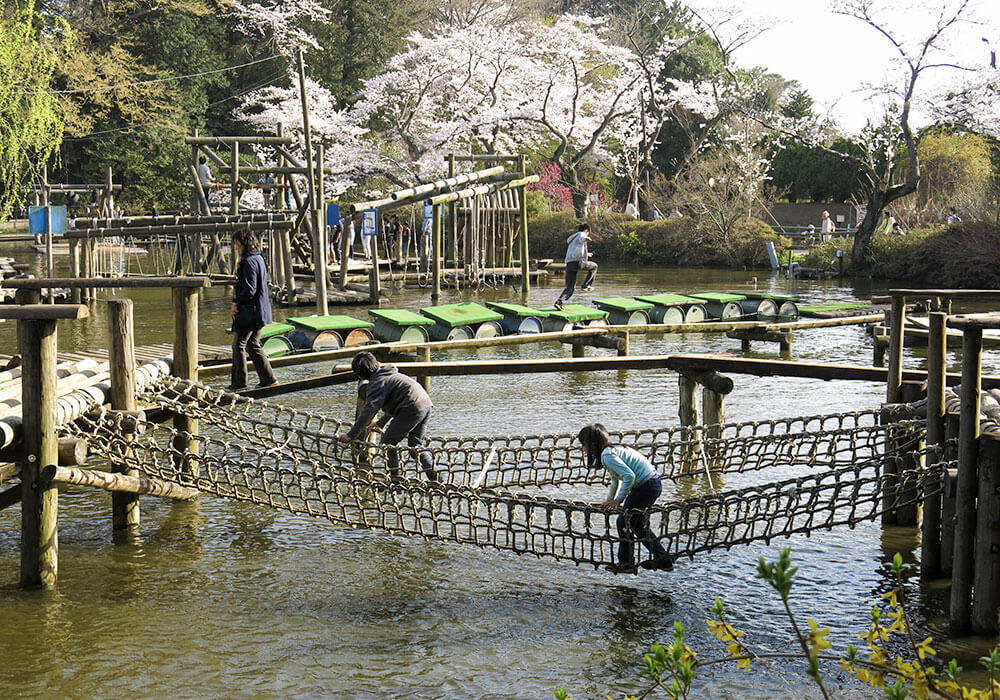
(984,294)
(43,312)
(259,140)
(146,231)
(104,283)
(980,321)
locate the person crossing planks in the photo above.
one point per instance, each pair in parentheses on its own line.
(577,258)
(635,486)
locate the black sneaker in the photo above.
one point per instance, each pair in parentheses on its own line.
(233,389)
(587,288)
(622,568)
(661,563)
(558,306)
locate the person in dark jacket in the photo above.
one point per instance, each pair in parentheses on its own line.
(406,410)
(251,312)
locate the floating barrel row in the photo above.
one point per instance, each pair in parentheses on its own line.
(467,320)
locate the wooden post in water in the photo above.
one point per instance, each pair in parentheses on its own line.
(185,302)
(74,268)
(523,191)
(908,508)
(424,380)
(39,498)
(895,375)
(986,577)
(951,429)
(968,478)
(623,344)
(930,535)
(689,411)
(321,254)
(121,354)
(452,224)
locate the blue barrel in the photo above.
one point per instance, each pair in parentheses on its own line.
(666,314)
(695,313)
(489,329)
(627,318)
(302,338)
(530,324)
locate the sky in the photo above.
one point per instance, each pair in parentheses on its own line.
(831,56)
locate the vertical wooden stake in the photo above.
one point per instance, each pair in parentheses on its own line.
(908,510)
(895,373)
(623,344)
(689,411)
(185,302)
(121,356)
(321,257)
(930,535)
(452,225)
(986,579)
(948,499)
(424,352)
(525,271)
(234,185)
(714,406)
(74,267)
(437,256)
(39,499)
(968,480)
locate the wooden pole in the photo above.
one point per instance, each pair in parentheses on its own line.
(185,366)
(120,484)
(74,267)
(986,577)
(689,411)
(424,355)
(234,187)
(320,255)
(967,486)
(124,506)
(895,378)
(930,560)
(452,221)
(437,257)
(525,270)
(39,499)
(951,430)
(908,510)
(623,345)
(714,404)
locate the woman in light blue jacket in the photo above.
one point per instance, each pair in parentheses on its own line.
(635,486)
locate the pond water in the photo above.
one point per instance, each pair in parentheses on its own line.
(220,599)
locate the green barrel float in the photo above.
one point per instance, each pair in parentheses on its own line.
(673,308)
(518,318)
(458,321)
(623,311)
(722,305)
(571,316)
(308,329)
(277,346)
(400,324)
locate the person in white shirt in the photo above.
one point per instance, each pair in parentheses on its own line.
(953,217)
(827,227)
(631,210)
(577,258)
(205,177)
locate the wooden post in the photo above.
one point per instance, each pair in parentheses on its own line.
(986,576)
(319,253)
(967,487)
(948,500)
(424,353)
(452,224)
(121,355)
(234,186)
(895,375)
(689,411)
(322,259)
(930,535)
(39,500)
(714,405)
(374,282)
(908,510)
(185,303)
(623,345)
(438,256)
(525,271)
(74,267)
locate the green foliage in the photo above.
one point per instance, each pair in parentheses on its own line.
(803,172)
(673,667)
(961,255)
(536,204)
(623,240)
(31,123)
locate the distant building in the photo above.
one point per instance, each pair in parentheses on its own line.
(799,216)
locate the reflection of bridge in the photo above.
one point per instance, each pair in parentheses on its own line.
(728,484)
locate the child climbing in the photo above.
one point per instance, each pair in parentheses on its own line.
(635,486)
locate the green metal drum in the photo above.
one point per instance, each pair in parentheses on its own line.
(695,314)
(277,346)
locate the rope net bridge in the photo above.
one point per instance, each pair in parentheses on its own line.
(523,493)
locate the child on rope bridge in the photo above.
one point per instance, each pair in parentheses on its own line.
(635,486)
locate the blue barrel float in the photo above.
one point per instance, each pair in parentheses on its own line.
(767,307)
(722,305)
(624,311)
(400,324)
(572,315)
(274,341)
(674,308)
(318,333)
(518,318)
(462,321)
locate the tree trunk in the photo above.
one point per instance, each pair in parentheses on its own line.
(570,179)
(878,200)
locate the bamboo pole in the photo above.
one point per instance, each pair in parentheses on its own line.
(229,140)
(185,366)
(436,257)
(234,188)
(452,221)
(74,267)
(452,180)
(124,507)
(525,281)
(930,560)
(119,483)
(320,248)
(967,486)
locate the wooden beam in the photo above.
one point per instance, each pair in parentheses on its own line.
(106,283)
(227,140)
(10,496)
(979,294)
(121,483)
(149,231)
(43,312)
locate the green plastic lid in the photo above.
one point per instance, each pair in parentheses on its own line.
(574,313)
(836,306)
(461,314)
(768,295)
(622,304)
(330,323)
(518,310)
(401,317)
(273,329)
(669,299)
(721,297)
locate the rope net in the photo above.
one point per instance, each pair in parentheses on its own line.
(524,493)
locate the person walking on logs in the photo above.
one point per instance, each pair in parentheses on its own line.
(406,410)
(577,258)
(205,177)
(635,486)
(251,311)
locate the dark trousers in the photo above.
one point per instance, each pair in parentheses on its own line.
(247,342)
(572,269)
(635,525)
(413,427)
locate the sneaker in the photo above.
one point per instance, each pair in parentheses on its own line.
(622,568)
(661,563)
(270,383)
(586,288)
(234,389)
(558,306)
